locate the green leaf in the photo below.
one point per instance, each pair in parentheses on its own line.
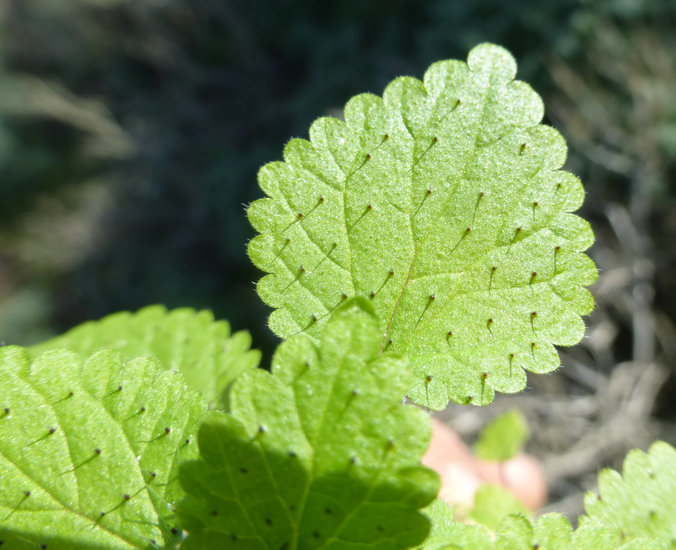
(448,534)
(89,450)
(209,357)
(442,203)
(319,454)
(636,511)
(550,532)
(641,502)
(515,532)
(440,515)
(492,503)
(503,437)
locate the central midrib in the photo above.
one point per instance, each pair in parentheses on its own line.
(470,158)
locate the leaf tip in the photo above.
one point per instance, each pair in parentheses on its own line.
(492,58)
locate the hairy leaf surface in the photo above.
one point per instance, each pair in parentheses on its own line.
(641,501)
(448,534)
(209,357)
(442,202)
(549,532)
(319,454)
(89,450)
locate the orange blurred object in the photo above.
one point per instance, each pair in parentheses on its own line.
(462,473)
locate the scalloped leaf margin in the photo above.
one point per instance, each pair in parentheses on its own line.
(636,510)
(319,454)
(443,204)
(204,350)
(89,450)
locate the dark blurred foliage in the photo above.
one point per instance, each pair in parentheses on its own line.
(131,131)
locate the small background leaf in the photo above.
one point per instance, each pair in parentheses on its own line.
(503,437)
(443,204)
(203,349)
(321,454)
(89,450)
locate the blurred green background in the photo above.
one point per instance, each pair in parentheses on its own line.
(131,133)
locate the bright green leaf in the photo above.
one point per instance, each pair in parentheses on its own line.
(642,501)
(503,437)
(89,450)
(552,531)
(594,536)
(209,357)
(448,534)
(492,503)
(440,515)
(515,533)
(637,511)
(319,454)
(442,202)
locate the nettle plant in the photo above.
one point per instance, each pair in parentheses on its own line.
(423,248)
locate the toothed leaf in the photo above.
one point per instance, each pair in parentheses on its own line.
(448,534)
(442,202)
(319,454)
(203,349)
(636,511)
(494,502)
(89,450)
(642,501)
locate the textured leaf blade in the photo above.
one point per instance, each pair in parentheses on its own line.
(89,451)
(640,502)
(448,534)
(320,454)
(636,511)
(443,204)
(203,349)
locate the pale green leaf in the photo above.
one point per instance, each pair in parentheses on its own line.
(440,515)
(636,511)
(515,532)
(442,202)
(494,502)
(448,534)
(595,536)
(192,342)
(503,437)
(642,501)
(552,531)
(319,454)
(89,451)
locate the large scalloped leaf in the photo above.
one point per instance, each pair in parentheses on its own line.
(444,204)
(203,349)
(319,454)
(89,451)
